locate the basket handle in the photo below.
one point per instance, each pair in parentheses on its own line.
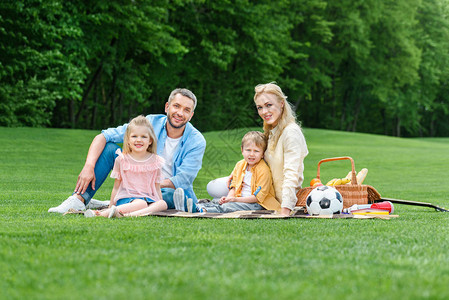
(354,176)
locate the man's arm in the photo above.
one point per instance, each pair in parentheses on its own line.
(87,174)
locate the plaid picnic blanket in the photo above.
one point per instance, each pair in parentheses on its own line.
(258,214)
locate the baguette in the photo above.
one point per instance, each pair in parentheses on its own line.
(362,175)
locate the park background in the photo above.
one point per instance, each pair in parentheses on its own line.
(369,66)
(376,67)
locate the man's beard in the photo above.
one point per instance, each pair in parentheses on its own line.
(173,125)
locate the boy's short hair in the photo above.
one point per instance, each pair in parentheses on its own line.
(256,137)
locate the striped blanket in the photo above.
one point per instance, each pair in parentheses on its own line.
(258,214)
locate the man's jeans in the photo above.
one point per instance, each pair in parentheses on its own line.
(105,164)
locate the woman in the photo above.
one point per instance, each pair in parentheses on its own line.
(287,146)
(286,149)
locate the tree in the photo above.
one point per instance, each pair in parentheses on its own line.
(123,41)
(36,70)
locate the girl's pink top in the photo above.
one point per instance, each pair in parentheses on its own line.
(138,178)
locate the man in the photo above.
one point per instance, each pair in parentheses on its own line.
(178,142)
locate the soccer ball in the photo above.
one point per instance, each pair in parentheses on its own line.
(324,200)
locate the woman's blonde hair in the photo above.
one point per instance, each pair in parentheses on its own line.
(287,116)
(140,121)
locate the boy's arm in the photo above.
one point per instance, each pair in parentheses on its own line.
(231,198)
(114,192)
(248,199)
(230,195)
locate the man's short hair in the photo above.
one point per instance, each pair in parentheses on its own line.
(185,92)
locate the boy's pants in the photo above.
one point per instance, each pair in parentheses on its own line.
(214,207)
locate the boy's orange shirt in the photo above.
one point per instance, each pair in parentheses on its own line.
(261,177)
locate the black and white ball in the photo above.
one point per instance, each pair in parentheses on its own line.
(324,200)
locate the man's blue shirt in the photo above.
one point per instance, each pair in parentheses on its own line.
(188,157)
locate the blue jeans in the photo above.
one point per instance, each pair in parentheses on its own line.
(214,207)
(105,164)
(167,196)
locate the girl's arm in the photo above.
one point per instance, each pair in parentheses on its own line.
(158,188)
(117,183)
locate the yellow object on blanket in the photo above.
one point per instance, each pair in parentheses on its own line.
(370,211)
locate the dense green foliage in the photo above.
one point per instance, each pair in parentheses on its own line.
(48,256)
(371,66)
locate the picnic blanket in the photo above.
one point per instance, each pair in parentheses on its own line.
(257,214)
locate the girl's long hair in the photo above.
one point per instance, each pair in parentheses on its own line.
(287,116)
(140,121)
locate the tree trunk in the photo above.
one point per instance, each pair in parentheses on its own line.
(95,108)
(432,127)
(296,105)
(87,91)
(343,111)
(356,114)
(120,105)
(93,80)
(384,120)
(71,110)
(398,127)
(104,102)
(112,96)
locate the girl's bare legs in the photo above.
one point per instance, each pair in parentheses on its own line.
(159,205)
(136,204)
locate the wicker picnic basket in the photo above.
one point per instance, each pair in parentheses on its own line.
(352,193)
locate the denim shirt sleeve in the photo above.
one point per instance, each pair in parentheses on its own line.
(115,135)
(188,163)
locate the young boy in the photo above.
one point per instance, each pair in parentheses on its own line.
(251,186)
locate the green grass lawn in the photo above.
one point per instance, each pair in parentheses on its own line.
(48,256)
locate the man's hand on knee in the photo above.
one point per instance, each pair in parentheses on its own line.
(86,177)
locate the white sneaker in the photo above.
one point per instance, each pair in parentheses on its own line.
(190,205)
(115,213)
(97,204)
(89,213)
(179,199)
(71,202)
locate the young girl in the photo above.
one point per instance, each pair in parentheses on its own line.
(137,172)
